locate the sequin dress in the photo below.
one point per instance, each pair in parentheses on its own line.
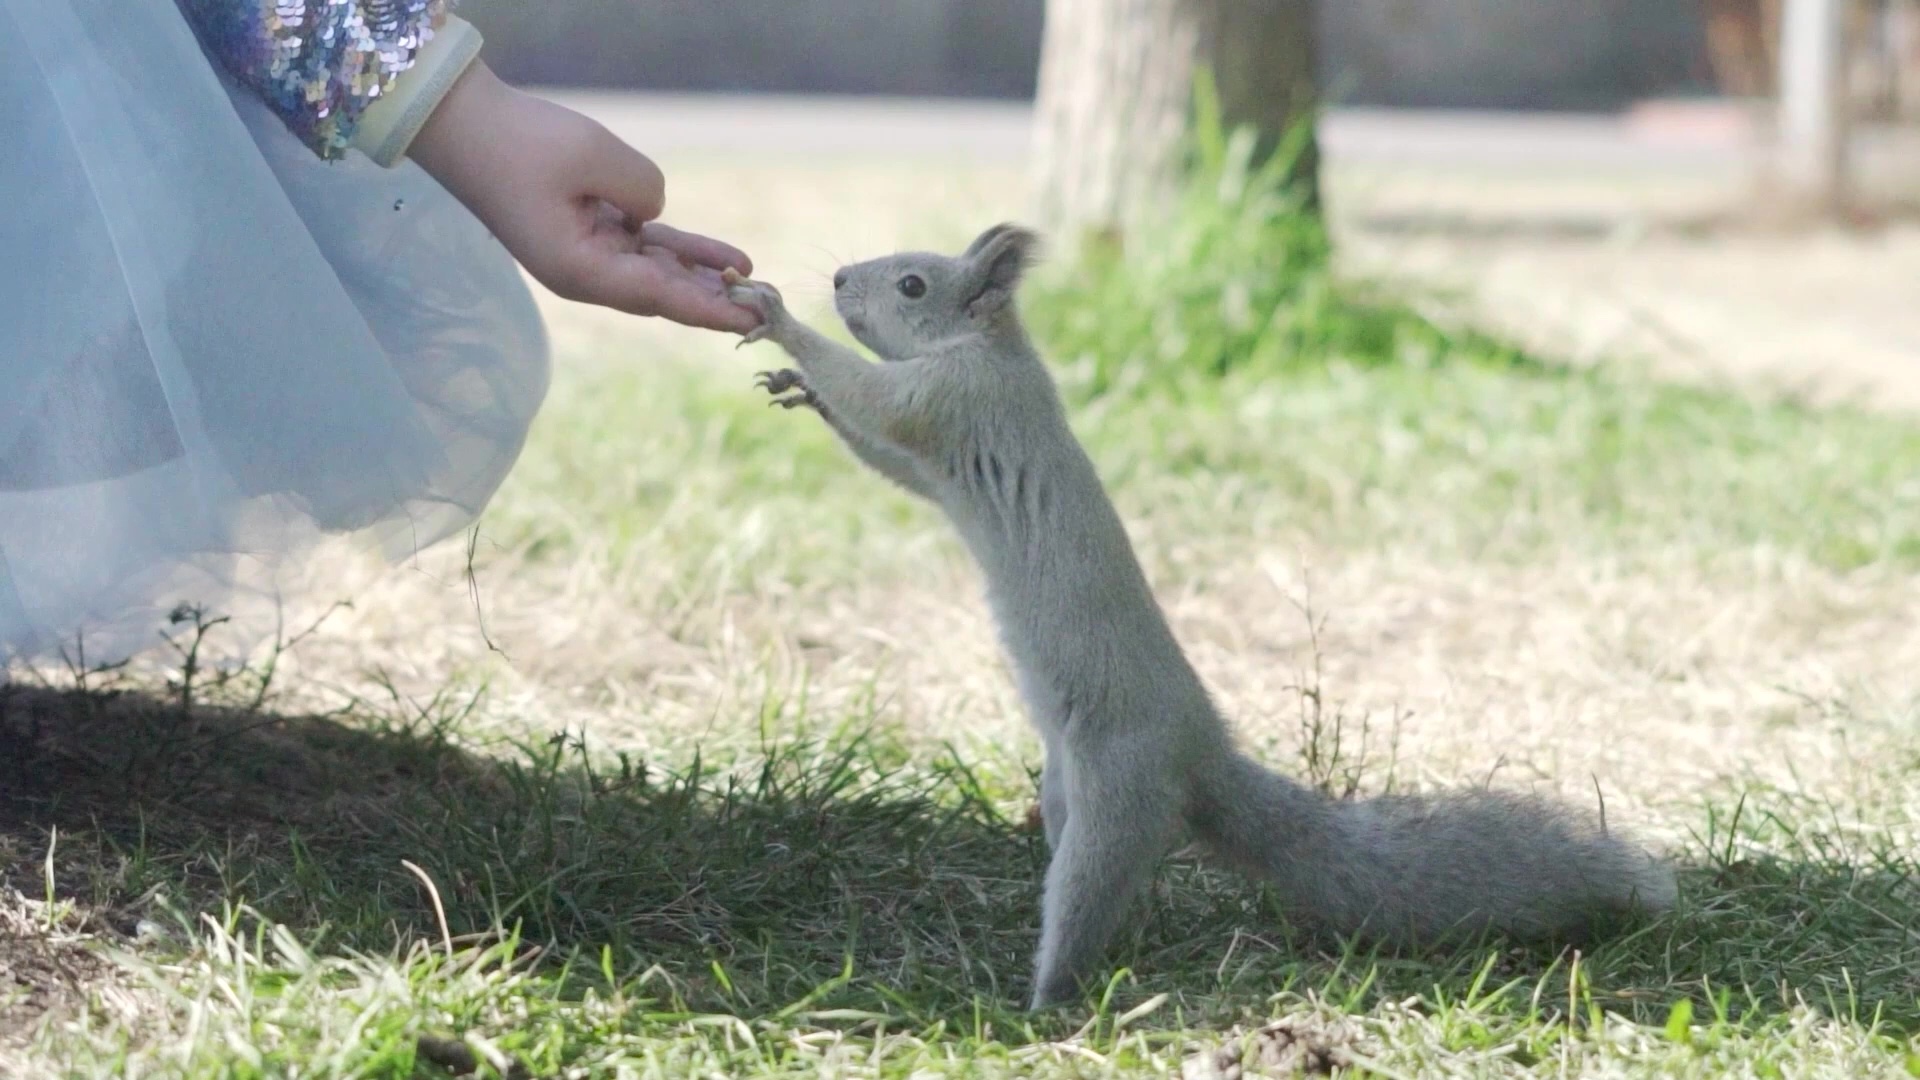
(224,339)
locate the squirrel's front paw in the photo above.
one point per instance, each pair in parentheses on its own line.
(779,382)
(756,296)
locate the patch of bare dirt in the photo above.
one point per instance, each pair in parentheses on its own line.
(46,966)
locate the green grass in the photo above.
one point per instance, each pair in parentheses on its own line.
(820,896)
(1462,461)
(825,907)
(834,905)
(1221,374)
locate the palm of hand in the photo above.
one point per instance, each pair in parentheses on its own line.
(679,272)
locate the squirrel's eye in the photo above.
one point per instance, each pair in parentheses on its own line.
(912,287)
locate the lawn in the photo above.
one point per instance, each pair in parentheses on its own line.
(710,767)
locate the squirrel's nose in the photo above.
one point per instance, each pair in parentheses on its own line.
(840,278)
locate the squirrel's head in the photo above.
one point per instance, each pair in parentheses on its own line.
(901,304)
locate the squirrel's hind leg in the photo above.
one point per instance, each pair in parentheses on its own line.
(1118,828)
(1054,803)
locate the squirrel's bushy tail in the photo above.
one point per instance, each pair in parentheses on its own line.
(1414,869)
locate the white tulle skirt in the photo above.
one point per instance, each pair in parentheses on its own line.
(216,350)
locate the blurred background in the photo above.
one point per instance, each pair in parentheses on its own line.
(1522,54)
(1708,184)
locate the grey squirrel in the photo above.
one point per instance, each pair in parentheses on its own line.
(963,413)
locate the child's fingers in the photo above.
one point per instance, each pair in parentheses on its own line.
(656,283)
(703,250)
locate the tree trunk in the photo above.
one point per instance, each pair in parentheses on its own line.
(1812,125)
(1743,39)
(1115,97)
(1265,60)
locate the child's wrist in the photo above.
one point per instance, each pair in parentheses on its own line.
(455,147)
(388,127)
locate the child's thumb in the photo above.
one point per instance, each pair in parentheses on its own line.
(629,180)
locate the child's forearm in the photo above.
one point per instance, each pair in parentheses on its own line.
(448,144)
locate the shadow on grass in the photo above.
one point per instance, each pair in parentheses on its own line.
(754,885)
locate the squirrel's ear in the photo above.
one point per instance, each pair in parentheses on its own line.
(997,261)
(983,239)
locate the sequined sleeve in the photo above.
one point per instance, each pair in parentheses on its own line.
(317,63)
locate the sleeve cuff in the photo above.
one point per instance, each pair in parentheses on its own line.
(389,124)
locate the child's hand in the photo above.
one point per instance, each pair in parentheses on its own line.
(575,205)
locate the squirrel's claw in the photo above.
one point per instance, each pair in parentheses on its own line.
(779,382)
